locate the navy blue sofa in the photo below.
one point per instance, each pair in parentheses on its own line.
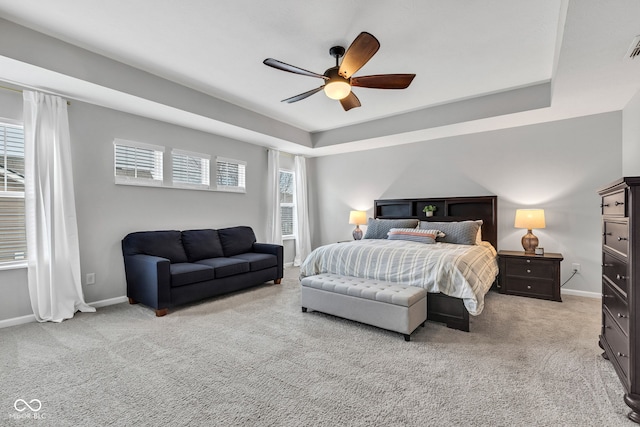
(165,269)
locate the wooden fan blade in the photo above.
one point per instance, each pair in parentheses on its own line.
(350,101)
(360,51)
(290,68)
(384,81)
(302,96)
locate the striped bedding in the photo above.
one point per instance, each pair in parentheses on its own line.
(460,271)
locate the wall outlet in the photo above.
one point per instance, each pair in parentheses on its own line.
(576,267)
(91,278)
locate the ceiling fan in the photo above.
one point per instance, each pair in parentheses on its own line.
(339,79)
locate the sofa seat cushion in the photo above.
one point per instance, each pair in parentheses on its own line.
(225,267)
(258,261)
(184,273)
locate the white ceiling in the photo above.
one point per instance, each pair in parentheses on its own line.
(458,50)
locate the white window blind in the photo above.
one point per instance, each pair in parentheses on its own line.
(190,169)
(287,204)
(230,175)
(13,241)
(137,163)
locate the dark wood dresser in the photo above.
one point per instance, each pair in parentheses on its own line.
(536,276)
(620,334)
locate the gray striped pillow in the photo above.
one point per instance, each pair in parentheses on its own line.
(415,235)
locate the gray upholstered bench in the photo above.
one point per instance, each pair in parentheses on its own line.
(386,305)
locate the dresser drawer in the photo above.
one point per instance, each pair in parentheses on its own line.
(615,235)
(530,268)
(531,287)
(617,306)
(618,342)
(615,271)
(615,204)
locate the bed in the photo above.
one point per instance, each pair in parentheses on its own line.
(456,276)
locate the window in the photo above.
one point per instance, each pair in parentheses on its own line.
(137,163)
(13,240)
(287,204)
(230,175)
(190,169)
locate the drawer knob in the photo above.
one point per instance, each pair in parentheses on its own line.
(528,261)
(621,354)
(528,286)
(617,203)
(621,238)
(604,205)
(620,277)
(528,271)
(607,265)
(606,234)
(621,316)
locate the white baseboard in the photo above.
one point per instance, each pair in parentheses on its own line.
(587,294)
(31,318)
(17,321)
(110,301)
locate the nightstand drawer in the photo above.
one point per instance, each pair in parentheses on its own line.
(531,287)
(614,204)
(616,271)
(615,235)
(618,342)
(616,306)
(530,268)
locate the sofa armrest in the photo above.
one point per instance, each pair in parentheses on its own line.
(148,280)
(277,250)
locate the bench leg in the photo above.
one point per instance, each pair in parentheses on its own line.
(423,323)
(407,337)
(304,309)
(161,312)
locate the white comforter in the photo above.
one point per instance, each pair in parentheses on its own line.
(460,271)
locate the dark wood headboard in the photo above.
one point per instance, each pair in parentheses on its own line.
(448,209)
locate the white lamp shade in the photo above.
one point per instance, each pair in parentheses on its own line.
(529,218)
(357,217)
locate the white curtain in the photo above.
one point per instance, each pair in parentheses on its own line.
(303,240)
(52,233)
(274,228)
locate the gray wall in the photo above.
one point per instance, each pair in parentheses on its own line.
(107,212)
(631,137)
(556,166)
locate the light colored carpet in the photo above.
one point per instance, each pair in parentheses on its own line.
(254,359)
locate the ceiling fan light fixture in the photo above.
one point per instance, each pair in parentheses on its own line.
(337,89)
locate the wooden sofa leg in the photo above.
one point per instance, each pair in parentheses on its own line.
(161,312)
(132,301)
(277,281)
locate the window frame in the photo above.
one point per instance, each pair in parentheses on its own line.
(205,172)
(135,180)
(12,194)
(291,204)
(242,177)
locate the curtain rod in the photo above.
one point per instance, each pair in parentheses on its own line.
(20,91)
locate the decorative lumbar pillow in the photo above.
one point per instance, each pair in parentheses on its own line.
(415,235)
(458,232)
(378,228)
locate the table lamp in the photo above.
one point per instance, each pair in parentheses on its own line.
(529,219)
(357,218)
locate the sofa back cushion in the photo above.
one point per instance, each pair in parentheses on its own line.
(237,240)
(165,244)
(201,244)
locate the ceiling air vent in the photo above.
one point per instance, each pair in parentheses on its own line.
(634,49)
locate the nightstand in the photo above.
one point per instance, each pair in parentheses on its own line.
(536,276)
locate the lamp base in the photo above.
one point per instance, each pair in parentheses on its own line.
(529,243)
(357,233)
